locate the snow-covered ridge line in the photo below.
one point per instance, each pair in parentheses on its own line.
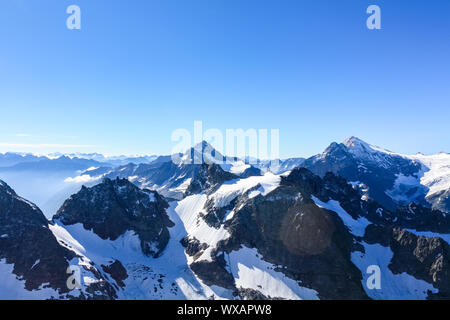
(433,177)
(88,156)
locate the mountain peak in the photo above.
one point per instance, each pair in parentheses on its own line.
(209,177)
(202,152)
(363,149)
(353,142)
(113,207)
(203,144)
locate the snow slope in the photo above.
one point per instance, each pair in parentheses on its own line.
(189,211)
(13,288)
(436,173)
(432,179)
(251,272)
(166,277)
(393,286)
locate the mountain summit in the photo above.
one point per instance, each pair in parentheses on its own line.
(113,207)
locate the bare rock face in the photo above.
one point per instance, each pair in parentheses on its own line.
(27,242)
(425,258)
(307,230)
(39,260)
(308,244)
(213,273)
(114,207)
(208,179)
(117,271)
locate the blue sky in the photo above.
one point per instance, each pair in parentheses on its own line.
(137,70)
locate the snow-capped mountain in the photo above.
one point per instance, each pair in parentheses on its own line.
(236,233)
(172,175)
(289,236)
(108,160)
(9,159)
(48,180)
(390,178)
(276,166)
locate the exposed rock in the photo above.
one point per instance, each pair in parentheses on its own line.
(27,242)
(117,272)
(250,294)
(425,258)
(279,226)
(214,273)
(208,179)
(193,246)
(113,207)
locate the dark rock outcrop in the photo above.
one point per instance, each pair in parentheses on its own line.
(311,245)
(113,207)
(209,178)
(27,242)
(117,271)
(425,258)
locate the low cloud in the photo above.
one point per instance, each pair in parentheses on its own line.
(85,178)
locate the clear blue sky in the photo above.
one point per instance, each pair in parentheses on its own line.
(139,69)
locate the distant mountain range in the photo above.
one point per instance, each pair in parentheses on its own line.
(165,229)
(9,159)
(390,178)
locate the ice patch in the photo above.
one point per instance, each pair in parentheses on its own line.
(12,288)
(393,286)
(188,211)
(357,227)
(230,190)
(251,272)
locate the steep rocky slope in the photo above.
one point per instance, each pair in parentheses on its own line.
(32,262)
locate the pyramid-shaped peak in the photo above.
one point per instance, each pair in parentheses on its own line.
(353,141)
(202,152)
(361,148)
(203,145)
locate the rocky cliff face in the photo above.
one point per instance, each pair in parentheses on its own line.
(425,258)
(38,259)
(309,244)
(320,233)
(113,207)
(208,179)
